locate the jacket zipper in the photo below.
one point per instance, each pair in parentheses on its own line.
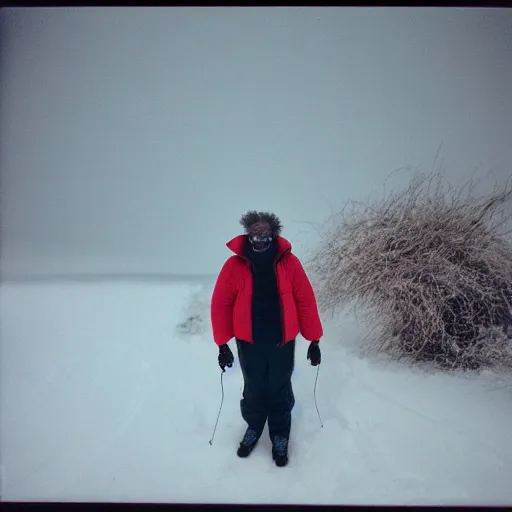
(280,302)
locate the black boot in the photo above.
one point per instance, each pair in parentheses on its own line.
(280,451)
(248,443)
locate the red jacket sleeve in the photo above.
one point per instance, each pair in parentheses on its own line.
(305,300)
(223,299)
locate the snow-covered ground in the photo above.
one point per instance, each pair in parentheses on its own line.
(104,398)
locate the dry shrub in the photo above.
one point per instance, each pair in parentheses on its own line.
(431,268)
(197,314)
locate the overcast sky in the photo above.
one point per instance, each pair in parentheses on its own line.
(132,139)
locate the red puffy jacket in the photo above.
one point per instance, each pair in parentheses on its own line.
(232,297)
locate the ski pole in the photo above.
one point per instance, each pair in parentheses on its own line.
(220,408)
(314,395)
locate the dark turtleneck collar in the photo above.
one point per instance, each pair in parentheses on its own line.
(262,258)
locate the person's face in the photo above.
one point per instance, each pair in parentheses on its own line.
(260,236)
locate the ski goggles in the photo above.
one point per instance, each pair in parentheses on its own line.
(260,243)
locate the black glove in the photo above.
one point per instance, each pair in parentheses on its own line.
(225,357)
(314,353)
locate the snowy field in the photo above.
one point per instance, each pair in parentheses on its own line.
(105,398)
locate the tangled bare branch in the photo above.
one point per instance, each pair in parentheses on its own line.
(431,265)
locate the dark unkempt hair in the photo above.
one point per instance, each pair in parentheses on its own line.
(251,217)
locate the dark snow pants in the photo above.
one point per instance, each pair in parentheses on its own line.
(267,394)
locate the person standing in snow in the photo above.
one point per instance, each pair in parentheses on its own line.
(264,299)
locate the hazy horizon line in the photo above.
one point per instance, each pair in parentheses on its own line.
(104,276)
